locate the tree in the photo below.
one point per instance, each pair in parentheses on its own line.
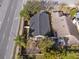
(30,8)
(73,12)
(44,44)
(20,42)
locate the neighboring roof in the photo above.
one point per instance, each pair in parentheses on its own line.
(77,15)
(64,26)
(72,28)
(40,24)
(58,25)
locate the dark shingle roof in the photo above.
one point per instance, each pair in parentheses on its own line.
(40,24)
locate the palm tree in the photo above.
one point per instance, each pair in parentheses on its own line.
(19,44)
(20,41)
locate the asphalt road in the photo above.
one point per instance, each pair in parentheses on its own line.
(1,1)
(9,25)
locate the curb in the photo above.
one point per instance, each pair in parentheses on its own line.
(16,48)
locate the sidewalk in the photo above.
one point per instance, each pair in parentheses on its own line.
(20,31)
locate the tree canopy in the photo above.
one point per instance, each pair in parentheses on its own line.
(30,8)
(73,11)
(19,41)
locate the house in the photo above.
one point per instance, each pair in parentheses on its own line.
(40,25)
(76,20)
(65,28)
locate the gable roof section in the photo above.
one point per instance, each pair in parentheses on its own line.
(40,24)
(72,28)
(64,26)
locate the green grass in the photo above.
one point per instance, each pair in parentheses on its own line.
(71,55)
